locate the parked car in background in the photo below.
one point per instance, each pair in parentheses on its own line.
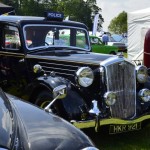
(98,46)
(26,127)
(121,43)
(100,90)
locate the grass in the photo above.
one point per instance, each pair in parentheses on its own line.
(135,140)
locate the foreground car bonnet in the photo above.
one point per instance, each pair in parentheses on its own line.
(46,131)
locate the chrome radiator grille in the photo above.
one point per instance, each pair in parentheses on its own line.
(121,80)
(64,69)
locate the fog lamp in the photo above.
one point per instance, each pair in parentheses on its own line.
(144,95)
(110,98)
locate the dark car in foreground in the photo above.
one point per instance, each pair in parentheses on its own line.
(26,127)
(101,89)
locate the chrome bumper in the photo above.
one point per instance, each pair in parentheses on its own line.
(92,123)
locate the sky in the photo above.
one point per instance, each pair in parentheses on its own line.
(112,8)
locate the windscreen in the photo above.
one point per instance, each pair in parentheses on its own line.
(37,36)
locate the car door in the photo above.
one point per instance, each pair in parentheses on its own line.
(11,56)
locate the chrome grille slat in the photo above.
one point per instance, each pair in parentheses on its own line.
(60,73)
(65,69)
(121,80)
(59,68)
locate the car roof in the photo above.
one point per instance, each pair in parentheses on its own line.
(33,19)
(19,18)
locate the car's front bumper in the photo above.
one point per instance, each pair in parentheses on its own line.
(109,121)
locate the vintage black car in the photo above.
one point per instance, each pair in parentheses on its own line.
(26,127)
(40,54)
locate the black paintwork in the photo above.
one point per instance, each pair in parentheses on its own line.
(36,129)
(20,76)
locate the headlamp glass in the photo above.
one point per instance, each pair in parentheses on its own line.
(85,76)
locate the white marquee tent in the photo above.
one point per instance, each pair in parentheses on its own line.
(138,25)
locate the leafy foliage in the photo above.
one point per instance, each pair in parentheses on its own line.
(77,10)
(118,25)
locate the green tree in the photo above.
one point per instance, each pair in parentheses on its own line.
(118,25)
(77,10)
(80,10)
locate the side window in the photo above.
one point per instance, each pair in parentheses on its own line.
(11,36)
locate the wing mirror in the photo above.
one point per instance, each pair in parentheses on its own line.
(59,92)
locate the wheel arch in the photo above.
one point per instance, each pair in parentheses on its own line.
(38,89)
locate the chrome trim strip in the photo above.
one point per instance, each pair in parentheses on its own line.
(61,73)
(11,54)
(112,60)
(57,68)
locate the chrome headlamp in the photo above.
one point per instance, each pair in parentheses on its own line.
(85,76)
(144,95)
(90,148)
(141,74)
(110,98)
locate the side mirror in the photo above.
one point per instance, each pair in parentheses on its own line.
(37,68)
(60,92)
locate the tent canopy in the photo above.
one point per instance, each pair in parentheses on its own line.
(138,25)
(5,9)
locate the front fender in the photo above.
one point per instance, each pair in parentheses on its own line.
(73,104)
(43,83)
